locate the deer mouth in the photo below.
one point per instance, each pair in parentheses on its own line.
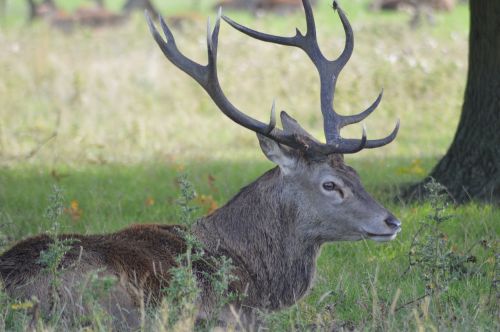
(383,237)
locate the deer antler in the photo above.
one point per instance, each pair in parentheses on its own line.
(292,135)
(328,71)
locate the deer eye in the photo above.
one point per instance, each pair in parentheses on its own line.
(329,186)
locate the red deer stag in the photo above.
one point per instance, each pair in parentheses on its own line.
(272,229)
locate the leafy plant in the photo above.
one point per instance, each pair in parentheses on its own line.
(432,256)
(220,279)
(183,290)
(93,288)
(52,258)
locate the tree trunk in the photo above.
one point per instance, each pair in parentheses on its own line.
(3,7)
(132,5)
(34,13)
(470,170)
(32,10)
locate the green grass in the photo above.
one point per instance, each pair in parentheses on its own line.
(128,123)
(112,197)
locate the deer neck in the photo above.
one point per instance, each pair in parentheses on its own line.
(257,230)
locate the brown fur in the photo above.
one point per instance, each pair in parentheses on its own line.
(140,255)
(139,258)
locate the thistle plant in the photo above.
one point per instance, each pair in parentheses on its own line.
(432,256)
(52,257)
(183,291)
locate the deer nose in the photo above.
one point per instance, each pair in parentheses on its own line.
(392,222)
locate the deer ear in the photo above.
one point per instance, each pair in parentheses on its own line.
(285,157)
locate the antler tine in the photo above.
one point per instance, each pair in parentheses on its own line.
(287,41)
(311,24)
(356,145)
(349,38)
(350,119)
(171,51)
(213,41)
(377,143)
(272,121)
(207,77)
(361,143)
(307,42)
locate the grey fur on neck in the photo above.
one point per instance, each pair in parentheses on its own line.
(257,229)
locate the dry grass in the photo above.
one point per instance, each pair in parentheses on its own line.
(112,97)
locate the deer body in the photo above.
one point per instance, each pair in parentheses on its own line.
(275,266)
(272,230)
(138,258)
(273,250)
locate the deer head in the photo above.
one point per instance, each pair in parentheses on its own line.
(329,195)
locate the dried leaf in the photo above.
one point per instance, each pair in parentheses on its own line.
(150,201)
(74,210)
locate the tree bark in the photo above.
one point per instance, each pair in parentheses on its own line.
(470,170)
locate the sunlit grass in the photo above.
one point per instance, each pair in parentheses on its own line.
(112,97)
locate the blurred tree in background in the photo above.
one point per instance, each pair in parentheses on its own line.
(471,167)
(131,5)
(3,7)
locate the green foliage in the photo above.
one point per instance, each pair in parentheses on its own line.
(436,259)
(183,293)
(185,202)
(55,210)
(220,279)
(183,290)
(3,238)
(343,295)
(51,258)
(94,288)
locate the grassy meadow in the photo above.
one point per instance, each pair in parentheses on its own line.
(102,114)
